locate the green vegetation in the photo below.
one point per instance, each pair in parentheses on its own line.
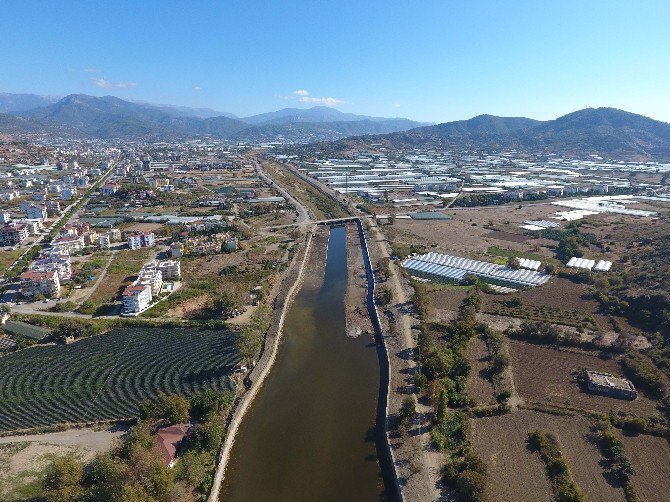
(564,486)
(642,372)
(134,469)
(612,449)
(106,377)
(515,308)
(401,250)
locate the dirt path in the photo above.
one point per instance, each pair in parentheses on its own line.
(95,440)
(418,464)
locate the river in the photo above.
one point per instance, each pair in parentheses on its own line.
(310,433)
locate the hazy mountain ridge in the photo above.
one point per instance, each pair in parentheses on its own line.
(111,117)
(16,103)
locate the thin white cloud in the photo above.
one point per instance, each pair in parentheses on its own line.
(396,105)
(103,83)
(322,101)
(198,88)
(301,92)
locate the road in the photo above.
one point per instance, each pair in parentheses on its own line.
(304,215)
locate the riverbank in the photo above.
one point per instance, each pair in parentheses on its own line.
(356,315)
(290,286)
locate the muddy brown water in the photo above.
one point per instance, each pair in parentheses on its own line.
(310,434)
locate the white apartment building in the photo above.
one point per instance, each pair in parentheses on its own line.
(60,264)
(136,298)
(68,244)
(141,240)
(171,269)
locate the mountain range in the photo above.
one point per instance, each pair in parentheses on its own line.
(605,131)
(608,132)
(80,115)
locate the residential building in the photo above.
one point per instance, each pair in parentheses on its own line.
(53,207)
(176,250)
(68,244)
(40,283)
(68,193)
(59,263)
(34,212)
(151,276)
(104,241)
(168,439)
(136,298)
(114,234)
(5,217)
(110,189)
(12,234)
(141,240)
(171,269)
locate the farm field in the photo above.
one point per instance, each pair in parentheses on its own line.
(9,256)
(516,473)
(547,376)
(479,386)
(106,377)
(650,456)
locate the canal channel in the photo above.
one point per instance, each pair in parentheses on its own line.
(310,433)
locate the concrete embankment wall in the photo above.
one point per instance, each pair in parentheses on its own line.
(384,364)
(289,287)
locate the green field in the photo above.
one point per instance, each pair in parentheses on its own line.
(106,376)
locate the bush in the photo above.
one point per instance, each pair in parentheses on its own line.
(470,486)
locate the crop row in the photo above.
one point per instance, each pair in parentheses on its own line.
(107,376)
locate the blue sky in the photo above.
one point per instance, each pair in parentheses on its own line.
(425,60)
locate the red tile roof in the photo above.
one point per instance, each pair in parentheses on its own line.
(168,439)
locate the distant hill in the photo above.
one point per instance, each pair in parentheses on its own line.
(316,114)
(107,117)
(110,117)
(16,103)
(605,131)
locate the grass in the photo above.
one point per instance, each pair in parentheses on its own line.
(125,264)
(106,377)
(9,256)
(502,254)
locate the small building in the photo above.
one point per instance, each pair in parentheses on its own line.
(104,241)
(609,385)
(168,439)
(141,240)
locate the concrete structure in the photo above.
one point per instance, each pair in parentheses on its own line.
(36,283)
(5,217)
(12,234)
(609,385)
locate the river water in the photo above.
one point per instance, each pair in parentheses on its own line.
(310,436)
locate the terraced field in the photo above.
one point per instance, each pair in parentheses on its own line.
(107,376)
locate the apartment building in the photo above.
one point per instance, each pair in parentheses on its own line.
(68,244)
(136,298)
(12,234)
(171,269)
(141,240)
(36,212)
(40,283)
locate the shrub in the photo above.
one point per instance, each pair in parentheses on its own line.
(470,486)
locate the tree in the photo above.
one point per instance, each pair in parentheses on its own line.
(135,493)
(248,342)
(407,411)
(71,328)
(172,408)
(63,482)
(385,296)
(107,477)
(223,305)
